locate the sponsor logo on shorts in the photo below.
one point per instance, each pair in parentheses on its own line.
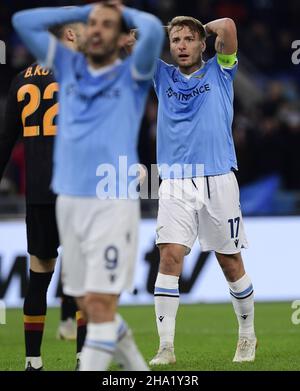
(112,278)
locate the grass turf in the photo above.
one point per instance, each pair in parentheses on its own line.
(205,339)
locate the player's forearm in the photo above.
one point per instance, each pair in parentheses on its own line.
(225,29)
(32,25)
(149,44)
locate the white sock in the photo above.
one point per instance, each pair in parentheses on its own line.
(242,297)
(127,353)
(166,299)
(99,346)
(36,362)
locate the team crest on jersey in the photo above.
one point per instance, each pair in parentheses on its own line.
(199,76)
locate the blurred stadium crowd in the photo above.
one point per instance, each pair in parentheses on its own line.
(267,97)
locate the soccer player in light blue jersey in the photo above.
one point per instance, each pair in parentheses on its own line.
(199,194)
(102,100)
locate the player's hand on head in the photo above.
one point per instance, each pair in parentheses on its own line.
(112,3)
(207,32)
(116,3)
(130,41)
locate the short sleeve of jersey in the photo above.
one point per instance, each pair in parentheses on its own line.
(227,72)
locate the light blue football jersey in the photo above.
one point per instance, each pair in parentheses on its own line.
(95,150)
(98,122)
(195,120)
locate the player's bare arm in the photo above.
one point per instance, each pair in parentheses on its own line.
(225,30)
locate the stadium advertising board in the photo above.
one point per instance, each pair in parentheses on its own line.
(271,261)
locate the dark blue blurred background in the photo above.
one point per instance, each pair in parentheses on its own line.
(267,98)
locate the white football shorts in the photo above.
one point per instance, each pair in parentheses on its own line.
(99,241)
(203,207)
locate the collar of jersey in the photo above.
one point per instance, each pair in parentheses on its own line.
(186,78)
(82,68)
(89,85)
(101,71)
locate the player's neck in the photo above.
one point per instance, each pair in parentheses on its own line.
(104,63)
(100,71)
(192,69)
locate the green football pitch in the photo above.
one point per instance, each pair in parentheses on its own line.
(205,339)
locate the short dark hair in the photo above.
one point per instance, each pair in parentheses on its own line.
(57,30)
(193,24)
(124,28)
